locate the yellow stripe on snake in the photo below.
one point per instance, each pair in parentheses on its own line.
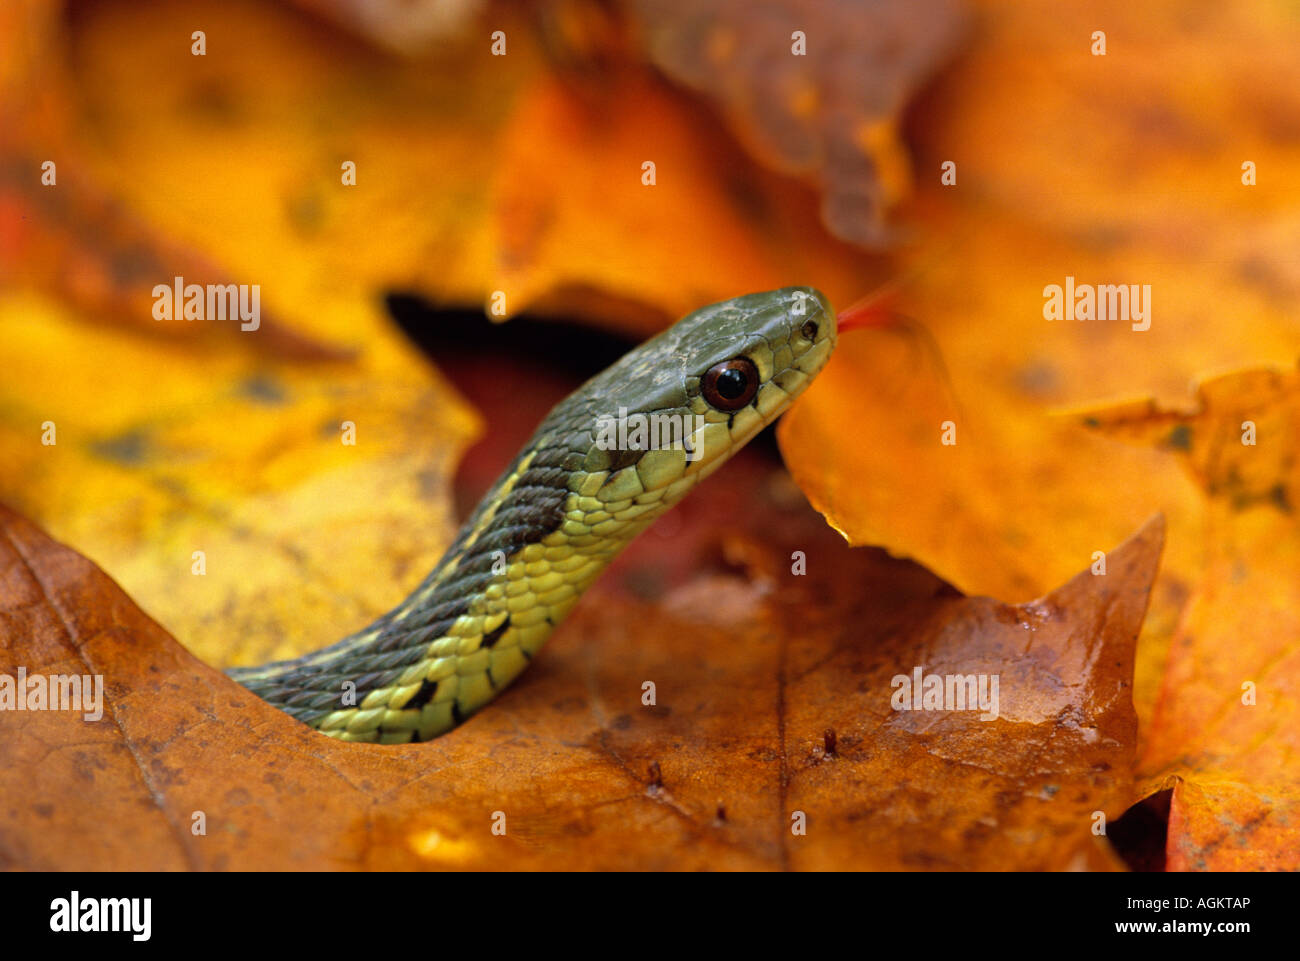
(575,495)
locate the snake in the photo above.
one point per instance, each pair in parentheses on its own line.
(591,478)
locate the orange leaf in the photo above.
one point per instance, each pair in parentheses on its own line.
(1226,731)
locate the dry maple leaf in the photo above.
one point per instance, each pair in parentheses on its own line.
(749,681)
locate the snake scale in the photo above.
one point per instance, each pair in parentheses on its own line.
(554,520)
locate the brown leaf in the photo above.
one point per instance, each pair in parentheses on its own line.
(749,681)
(830,111)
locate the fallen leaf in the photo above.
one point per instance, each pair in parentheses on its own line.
(1225,735)
(219,485)
(1116,169)
(813,88)
(748,680)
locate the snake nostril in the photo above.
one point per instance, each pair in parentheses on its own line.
(809,330)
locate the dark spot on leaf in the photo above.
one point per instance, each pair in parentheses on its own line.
(305,213)
(1278,495)
(263,389)
(1180,438)
(131,447)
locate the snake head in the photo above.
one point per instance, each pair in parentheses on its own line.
(724,372)
(772,343)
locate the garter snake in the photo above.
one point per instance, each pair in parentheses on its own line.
(556,517)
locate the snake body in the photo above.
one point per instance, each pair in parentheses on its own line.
(554,520)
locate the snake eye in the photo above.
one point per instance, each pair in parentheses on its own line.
(809,330)
(731,384)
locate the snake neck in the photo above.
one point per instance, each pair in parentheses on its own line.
(555,519)
(536,541)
